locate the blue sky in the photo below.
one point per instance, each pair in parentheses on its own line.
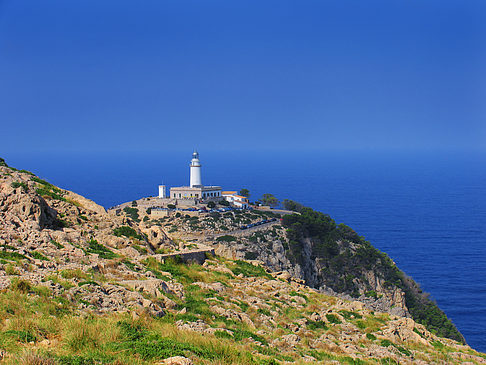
(156,75)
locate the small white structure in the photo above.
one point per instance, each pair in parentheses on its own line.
(232,197)
(195,180)
(162,191)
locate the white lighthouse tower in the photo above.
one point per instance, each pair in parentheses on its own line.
(195,181)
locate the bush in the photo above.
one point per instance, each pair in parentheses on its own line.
(251,255)
(247,269)
(21,286)
(132,213)
(313,325)
(17,184)
(102,251)
(38,256)
(370,336)
(171,206)
(127,232)
(226,238)
(211,205)
(332,318)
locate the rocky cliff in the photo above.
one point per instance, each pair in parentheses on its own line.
(80,285)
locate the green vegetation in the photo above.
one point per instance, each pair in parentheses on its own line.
(243,267)
(46,189)
(21,184)
(341,266)
(127,232)
(102,251)
(226,238)
(245,192)
(370,336)
(38,256)
(314,325)
(132,213)
(14,256)
(332,318)
(57,244)
(269,199)
(3,163)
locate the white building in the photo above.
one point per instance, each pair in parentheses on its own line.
(196,190)
(239,201)
(162,191)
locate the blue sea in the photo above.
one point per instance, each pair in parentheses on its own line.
(427,211)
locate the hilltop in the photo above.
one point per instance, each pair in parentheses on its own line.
(82,285)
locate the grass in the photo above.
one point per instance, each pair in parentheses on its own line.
(246,269)
(14,256)
(34,315)
(38,256)
(74,274)
(57,244)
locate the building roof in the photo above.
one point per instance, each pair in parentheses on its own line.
(228,192)
(241,197)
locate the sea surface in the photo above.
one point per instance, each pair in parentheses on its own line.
(427,211)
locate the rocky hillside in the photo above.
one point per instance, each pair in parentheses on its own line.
(80,285)
(328,257)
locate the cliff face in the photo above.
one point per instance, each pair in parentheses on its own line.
(331,258)
(82,285)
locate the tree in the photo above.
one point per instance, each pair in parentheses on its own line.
(292,205)
(224,203)
(270,200)
(134,203)
(245,192)
(171,206)
(211,205)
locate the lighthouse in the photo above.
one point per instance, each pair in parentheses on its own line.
(195,180)
(195,192)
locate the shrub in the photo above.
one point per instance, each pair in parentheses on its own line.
(386,343)
(102,251)
(247,269)
(132,213)
(134,203)
(11,270)
(226,238)
(38,256)
(73,274)
(17,184)
(171,206)
(332,318)
(251,255)
(127,232)
(370,336)
(57,244)
(313,325)
(21,286)
(7,255)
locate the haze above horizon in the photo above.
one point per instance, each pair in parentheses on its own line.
(154,76)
